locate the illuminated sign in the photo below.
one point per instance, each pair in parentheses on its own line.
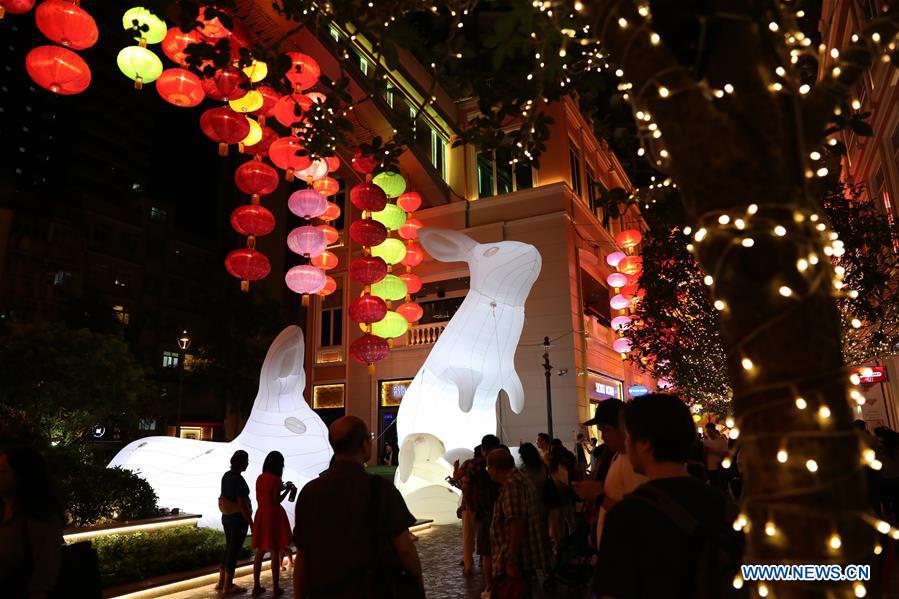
(600,387)
(604,389)
(637,390)
(872,374)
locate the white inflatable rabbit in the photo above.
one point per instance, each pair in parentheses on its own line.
(452,400)
(187,474)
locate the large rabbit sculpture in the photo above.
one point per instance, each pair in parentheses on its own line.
(186,473)
(451,403)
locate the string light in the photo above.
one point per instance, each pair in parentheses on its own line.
(747,364)
(801,403)
(763,589)
(812,465)
(770,529)
(859,589)
(780,230)
(782,456)
(824,412)
(835,541)
(785,291)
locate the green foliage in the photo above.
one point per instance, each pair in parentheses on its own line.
(93,494)
(60,382)
(137,556)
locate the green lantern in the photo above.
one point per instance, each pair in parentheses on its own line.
(392,183)
(152,28)
(392,216)
(139,64)
(392,251)
(391,326)
(390,288)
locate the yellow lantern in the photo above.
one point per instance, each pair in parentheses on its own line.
(140,64)
(140,16)
(390,288)
(251,102)
(257,71)
(392,251)
(392,216)
(254,136)
(391,326)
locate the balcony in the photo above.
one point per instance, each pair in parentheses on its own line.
(420,335)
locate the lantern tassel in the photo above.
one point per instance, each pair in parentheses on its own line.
(371,369)
(254,199)
(305,301)
(245,286)
(240,147)
(288,174)
(138,83)
(2,12)
(223,149)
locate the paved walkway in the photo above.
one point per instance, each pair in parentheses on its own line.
(440,549)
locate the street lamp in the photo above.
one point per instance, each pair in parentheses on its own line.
(183,344)
(547,367)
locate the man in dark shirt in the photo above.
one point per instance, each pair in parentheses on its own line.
(654,538)
(341,542)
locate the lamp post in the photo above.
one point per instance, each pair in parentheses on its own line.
(547,367)
(183,344)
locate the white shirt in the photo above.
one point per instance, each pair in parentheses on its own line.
(620,481)
(713,460)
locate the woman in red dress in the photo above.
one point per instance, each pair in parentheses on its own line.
(271,530)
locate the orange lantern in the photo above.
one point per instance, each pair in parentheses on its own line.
(180,87)
(411,311)
(331,234)
(67,24)
(414,255)
(212,28)
(283,152)
(176,42)
(325,261)
(58,69)
(326,186)
(410,228)
(304,71)
(413,282)
(332,212)
(15,7)
(287,107)
(631,265)
(329,288)
(629,238)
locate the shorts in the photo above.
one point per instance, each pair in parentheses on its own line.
(483,536)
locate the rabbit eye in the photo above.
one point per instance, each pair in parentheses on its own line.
(490,251)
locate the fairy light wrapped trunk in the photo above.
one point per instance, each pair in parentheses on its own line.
(738,144)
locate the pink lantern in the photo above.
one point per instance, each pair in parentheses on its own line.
(614,258)
(316,170)
(622,345)
(617,280)
(619,323)
(305,279)
(619,302)
(307,203)
(307,241)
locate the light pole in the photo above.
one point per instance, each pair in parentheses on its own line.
(547,367)
(183,344)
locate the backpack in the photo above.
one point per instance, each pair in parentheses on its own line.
(720,550)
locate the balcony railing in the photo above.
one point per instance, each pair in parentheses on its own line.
(421,335)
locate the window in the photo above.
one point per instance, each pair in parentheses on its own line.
(392,392)
(498,175)
(363,65)
(596,299)
(328,396)
(146,424)
(121,314)
(388,95)
(62,278)
(335,35)
(332,320)
(429,142)
(158,215)
(169,359)
(574,159)
(591,191)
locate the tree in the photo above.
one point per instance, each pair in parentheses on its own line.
(60,383)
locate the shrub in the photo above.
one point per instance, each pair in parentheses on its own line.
(136,556)
(94,494)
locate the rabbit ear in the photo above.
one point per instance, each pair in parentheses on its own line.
(446,245)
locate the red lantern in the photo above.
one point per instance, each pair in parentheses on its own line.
(369,349)
(67,24)
(58,69)
(368,196)
(631,265)
(368,232)
(326,186)
(176,42)
(633,292)
(367,309)
(414,255)
(212,28)
(325,261)
(333,163)
(227,84)
(283,153)
(411,311)
(261,147)
(304,71)
(329,288)
(270,98)
(286,109)
(331,234)
(363,164)
(247,265)
(253,220)
(413,282)
(15,7)
(180,87)
(332,212)
(410,228)
(256,178)
(368,270)
(409,201)
(629,238)
(224,126)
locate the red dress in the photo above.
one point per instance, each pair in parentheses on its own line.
(271,529)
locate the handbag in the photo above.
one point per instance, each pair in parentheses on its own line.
(387,582)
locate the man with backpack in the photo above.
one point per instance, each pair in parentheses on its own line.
(479,492)
(671,537)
